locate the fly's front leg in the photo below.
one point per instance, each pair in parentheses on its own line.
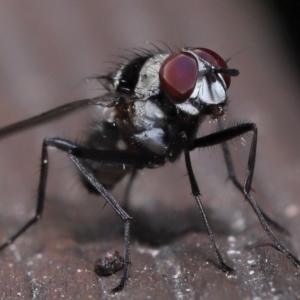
(196,194)
(231,133)
(232,177)
(247,189)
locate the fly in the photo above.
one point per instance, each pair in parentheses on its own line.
(152,110)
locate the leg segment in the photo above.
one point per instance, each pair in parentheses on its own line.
(233,132)
(119,210)
(51,115)
(196,194)
(40,198)
(237,184)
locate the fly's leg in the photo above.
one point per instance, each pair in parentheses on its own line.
(74,152)
(51,114)
(231,133)
(196,194)
(40,199)
(237,184)
(119,210)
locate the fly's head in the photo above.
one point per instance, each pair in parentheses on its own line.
(196,81)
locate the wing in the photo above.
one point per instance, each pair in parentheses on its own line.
(106,100)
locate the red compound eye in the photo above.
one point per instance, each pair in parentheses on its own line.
(215,60)
(178,75)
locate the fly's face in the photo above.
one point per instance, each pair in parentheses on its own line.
(196,78)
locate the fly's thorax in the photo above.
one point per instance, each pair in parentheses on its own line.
(128,74)
(139,77)
(148,84)
(142,125)
(154,127)
(149,122)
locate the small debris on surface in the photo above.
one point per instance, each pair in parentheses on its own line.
(110,264)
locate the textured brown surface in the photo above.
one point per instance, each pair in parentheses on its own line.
(46,51)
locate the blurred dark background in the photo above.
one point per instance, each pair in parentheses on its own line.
(288,14)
